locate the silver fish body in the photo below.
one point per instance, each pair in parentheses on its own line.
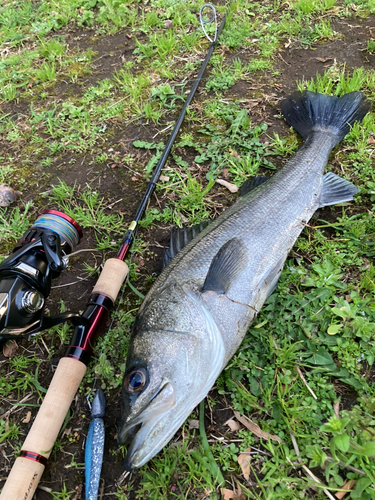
(199,309)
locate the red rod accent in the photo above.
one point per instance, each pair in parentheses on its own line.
(34,456)
(99,318)
(123,251)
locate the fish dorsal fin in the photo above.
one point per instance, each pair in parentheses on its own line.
(180,237)
(336,190)
(251,184)
(226,266)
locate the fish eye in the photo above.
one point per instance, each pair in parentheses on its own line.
(135,380)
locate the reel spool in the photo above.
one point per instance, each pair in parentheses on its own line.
(26,275)
(67,228)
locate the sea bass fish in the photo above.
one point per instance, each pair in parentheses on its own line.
(198,311)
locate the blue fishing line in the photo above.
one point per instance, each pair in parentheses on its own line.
(208,21)
(67,232)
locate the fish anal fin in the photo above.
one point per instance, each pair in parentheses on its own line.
(336,190)
(226,266)
(251,184)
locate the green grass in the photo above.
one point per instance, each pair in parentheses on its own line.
(320,321)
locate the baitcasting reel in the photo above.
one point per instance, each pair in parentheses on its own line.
(25,276)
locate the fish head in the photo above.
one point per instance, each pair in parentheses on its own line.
(168,372)
(158,374)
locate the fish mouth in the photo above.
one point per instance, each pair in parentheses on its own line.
(145,425)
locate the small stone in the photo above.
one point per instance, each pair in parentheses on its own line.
(8,195)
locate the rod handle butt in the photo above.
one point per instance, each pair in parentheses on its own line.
(25,474)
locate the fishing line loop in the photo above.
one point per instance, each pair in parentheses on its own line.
(91,390)
(88,399)
(209,20)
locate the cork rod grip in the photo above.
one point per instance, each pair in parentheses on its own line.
(25,474)
(111,278)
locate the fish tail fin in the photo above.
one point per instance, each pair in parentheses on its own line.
(310,113)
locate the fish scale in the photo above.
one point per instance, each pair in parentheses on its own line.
(200,307)
(287,211)
(246,217)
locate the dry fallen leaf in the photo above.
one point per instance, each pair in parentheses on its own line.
(244,461)
(232,495)
(168,24)
(371,140)
(26,420)
(347,486)
(227,494)
(255,429)
(164,178)
(323,59)
(8,195)
(232,187)
(193,424)
(137,177)
(234,426)
(10,348)
(78,494)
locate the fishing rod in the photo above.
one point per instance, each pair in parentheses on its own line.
(35,262)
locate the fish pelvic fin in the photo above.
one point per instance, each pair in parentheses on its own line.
(336,190)
(226,266)
(311,112)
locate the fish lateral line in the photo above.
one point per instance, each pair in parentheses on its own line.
(242,304)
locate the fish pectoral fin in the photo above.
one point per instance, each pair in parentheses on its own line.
(336,190)
(226,266)
(251,184)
